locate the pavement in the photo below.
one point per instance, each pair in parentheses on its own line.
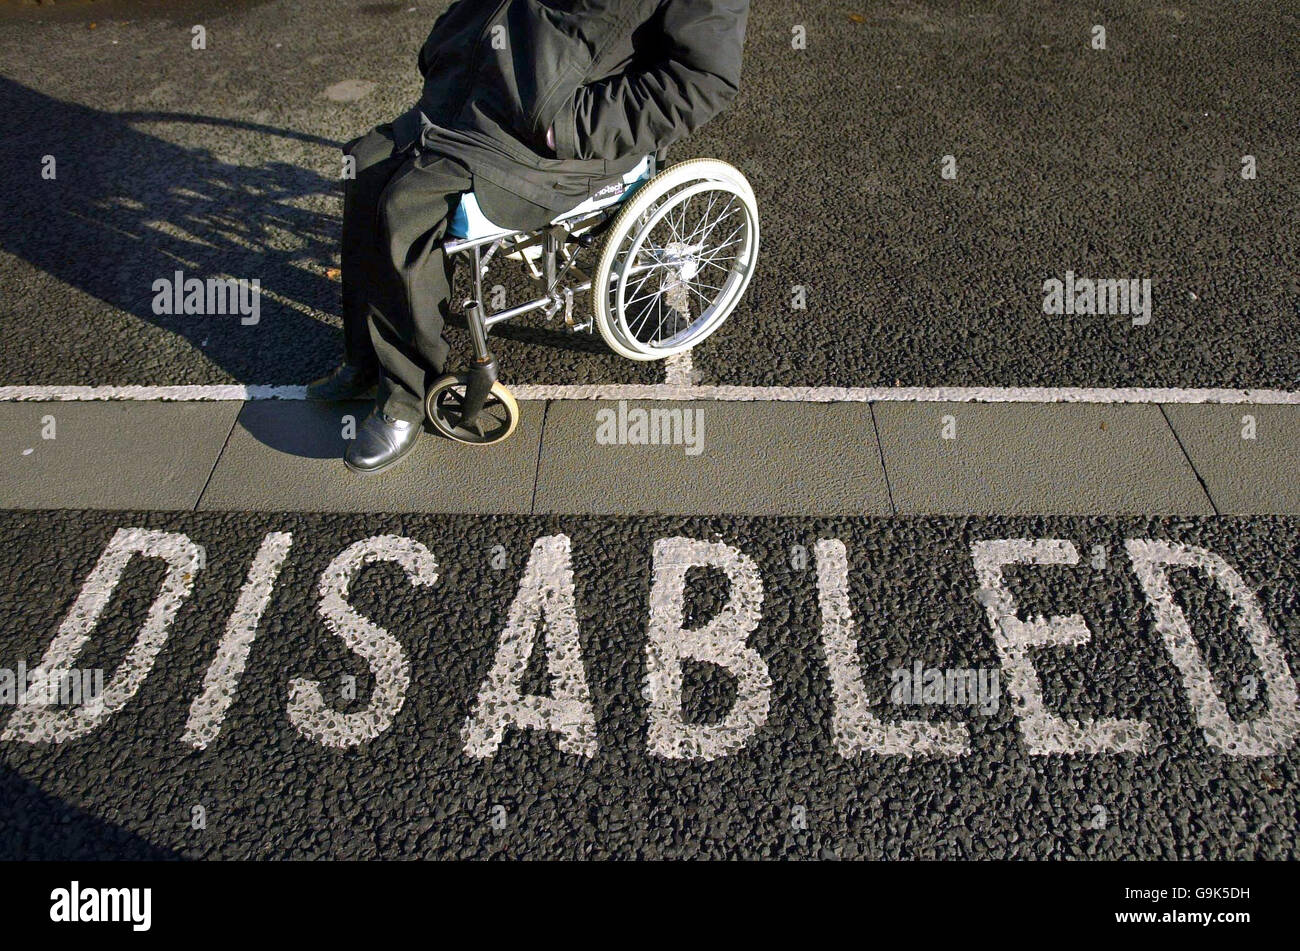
(687,456)
(1075,536)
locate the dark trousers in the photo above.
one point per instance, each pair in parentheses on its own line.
(396,278)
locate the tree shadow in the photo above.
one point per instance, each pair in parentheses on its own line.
(128,208)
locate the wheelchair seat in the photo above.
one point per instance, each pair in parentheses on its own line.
(639,258)
(468,223)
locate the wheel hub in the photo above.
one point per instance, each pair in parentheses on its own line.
(683,258)
(681,263)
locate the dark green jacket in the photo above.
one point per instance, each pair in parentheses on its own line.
(617,79)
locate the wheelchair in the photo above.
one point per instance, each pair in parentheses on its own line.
(674,251)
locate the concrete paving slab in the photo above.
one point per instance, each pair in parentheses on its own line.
(739,458)
(1248,456)
(288,456)
(1031,458)
(109,455)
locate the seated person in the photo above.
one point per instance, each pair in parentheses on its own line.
(527,103)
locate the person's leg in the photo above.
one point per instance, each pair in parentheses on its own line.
(362,261)
(406,327)
(408,305)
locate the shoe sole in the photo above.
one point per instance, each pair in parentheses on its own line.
(387,465)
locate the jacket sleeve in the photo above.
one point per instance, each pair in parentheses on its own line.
(420,62)
(646,110)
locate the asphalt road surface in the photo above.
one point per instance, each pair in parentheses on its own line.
(232,644)
(1120,163)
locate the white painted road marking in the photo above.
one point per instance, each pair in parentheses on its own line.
(1269,734)
(722,641)
(222,679)
(38,724)
(546,595)
(1044,732)
(855,728)
(680,391)
(308,710)
(679,369)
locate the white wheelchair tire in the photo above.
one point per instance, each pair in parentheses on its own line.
(624,239)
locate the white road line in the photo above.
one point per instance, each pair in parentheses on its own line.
(677,391)
(233,391)
(904,394)
(678,369)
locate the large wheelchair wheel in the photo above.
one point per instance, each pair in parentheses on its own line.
(676,261)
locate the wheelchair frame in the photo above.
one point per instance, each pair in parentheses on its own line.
(557,262)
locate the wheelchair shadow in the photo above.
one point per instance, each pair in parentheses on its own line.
(127,208)
(554,339)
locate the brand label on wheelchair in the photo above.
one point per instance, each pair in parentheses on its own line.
(609,191)
(543,624)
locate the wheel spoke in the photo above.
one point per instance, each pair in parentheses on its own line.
(707,300)
(645,315)
(717,221)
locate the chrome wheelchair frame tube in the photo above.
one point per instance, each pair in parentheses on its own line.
(457,245)
(477,318)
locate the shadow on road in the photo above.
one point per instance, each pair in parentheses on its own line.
(37,826)
(128,208)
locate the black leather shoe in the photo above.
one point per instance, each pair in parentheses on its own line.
(345,382)
(381,441)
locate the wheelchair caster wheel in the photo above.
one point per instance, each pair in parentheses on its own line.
(496,421)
